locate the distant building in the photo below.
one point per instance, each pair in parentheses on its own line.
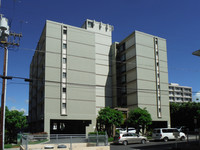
(179,93)
(140,76)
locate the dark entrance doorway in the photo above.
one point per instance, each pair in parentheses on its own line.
(68,126)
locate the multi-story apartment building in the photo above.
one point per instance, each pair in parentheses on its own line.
(179,93)
(71,77)
(78,71)
(140,76)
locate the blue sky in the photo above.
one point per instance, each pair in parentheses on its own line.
(175,20)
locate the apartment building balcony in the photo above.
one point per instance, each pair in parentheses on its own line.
(178,94)
(178,89)
(187,99)
(171,99)
(187,90)
(187,96)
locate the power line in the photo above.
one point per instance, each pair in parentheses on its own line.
(86,86)
(112,60)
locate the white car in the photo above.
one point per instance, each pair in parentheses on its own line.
(130,130)
(128,138)
(167,134)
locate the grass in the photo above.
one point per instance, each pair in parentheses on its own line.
(38,142)
(11,145)
(149,137)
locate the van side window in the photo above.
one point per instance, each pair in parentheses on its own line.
(165,130)
(175,130)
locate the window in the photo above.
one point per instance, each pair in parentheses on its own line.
(122,47)
(90,24)
(64,108)
(62,126)
(123,79)
(159,98)
(123,57)
(64,60)
(64,31)
(157,54)
(156,41)
(64,75)
(158,75)
(64,90)
(64,105)
(54,126)
(123,89)
(123,68)
(64,45)
(159,113)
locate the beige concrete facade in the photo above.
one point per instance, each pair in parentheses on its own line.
(78,71)
(141,75)
(70,69)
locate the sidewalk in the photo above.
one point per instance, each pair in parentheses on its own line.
(12,148)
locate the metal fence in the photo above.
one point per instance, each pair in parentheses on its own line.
(63,139)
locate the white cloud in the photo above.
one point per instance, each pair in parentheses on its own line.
(22,109)
(196,97)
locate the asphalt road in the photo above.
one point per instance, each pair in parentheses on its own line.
(158,145)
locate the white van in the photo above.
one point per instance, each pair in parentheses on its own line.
(167,134)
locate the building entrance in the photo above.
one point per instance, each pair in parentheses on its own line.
(69,126)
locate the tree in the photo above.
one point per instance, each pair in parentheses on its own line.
(109,117)
(139,117)
(15,122)
(183,114)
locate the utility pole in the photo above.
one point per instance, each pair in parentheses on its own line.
(7,39)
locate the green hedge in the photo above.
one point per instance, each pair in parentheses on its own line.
(95,133)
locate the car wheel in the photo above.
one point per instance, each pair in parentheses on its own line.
(125,142)
(182,138)
(143,141)
(165,139)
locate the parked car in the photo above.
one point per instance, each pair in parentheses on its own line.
(129,138)
(167,134)
(124,130)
